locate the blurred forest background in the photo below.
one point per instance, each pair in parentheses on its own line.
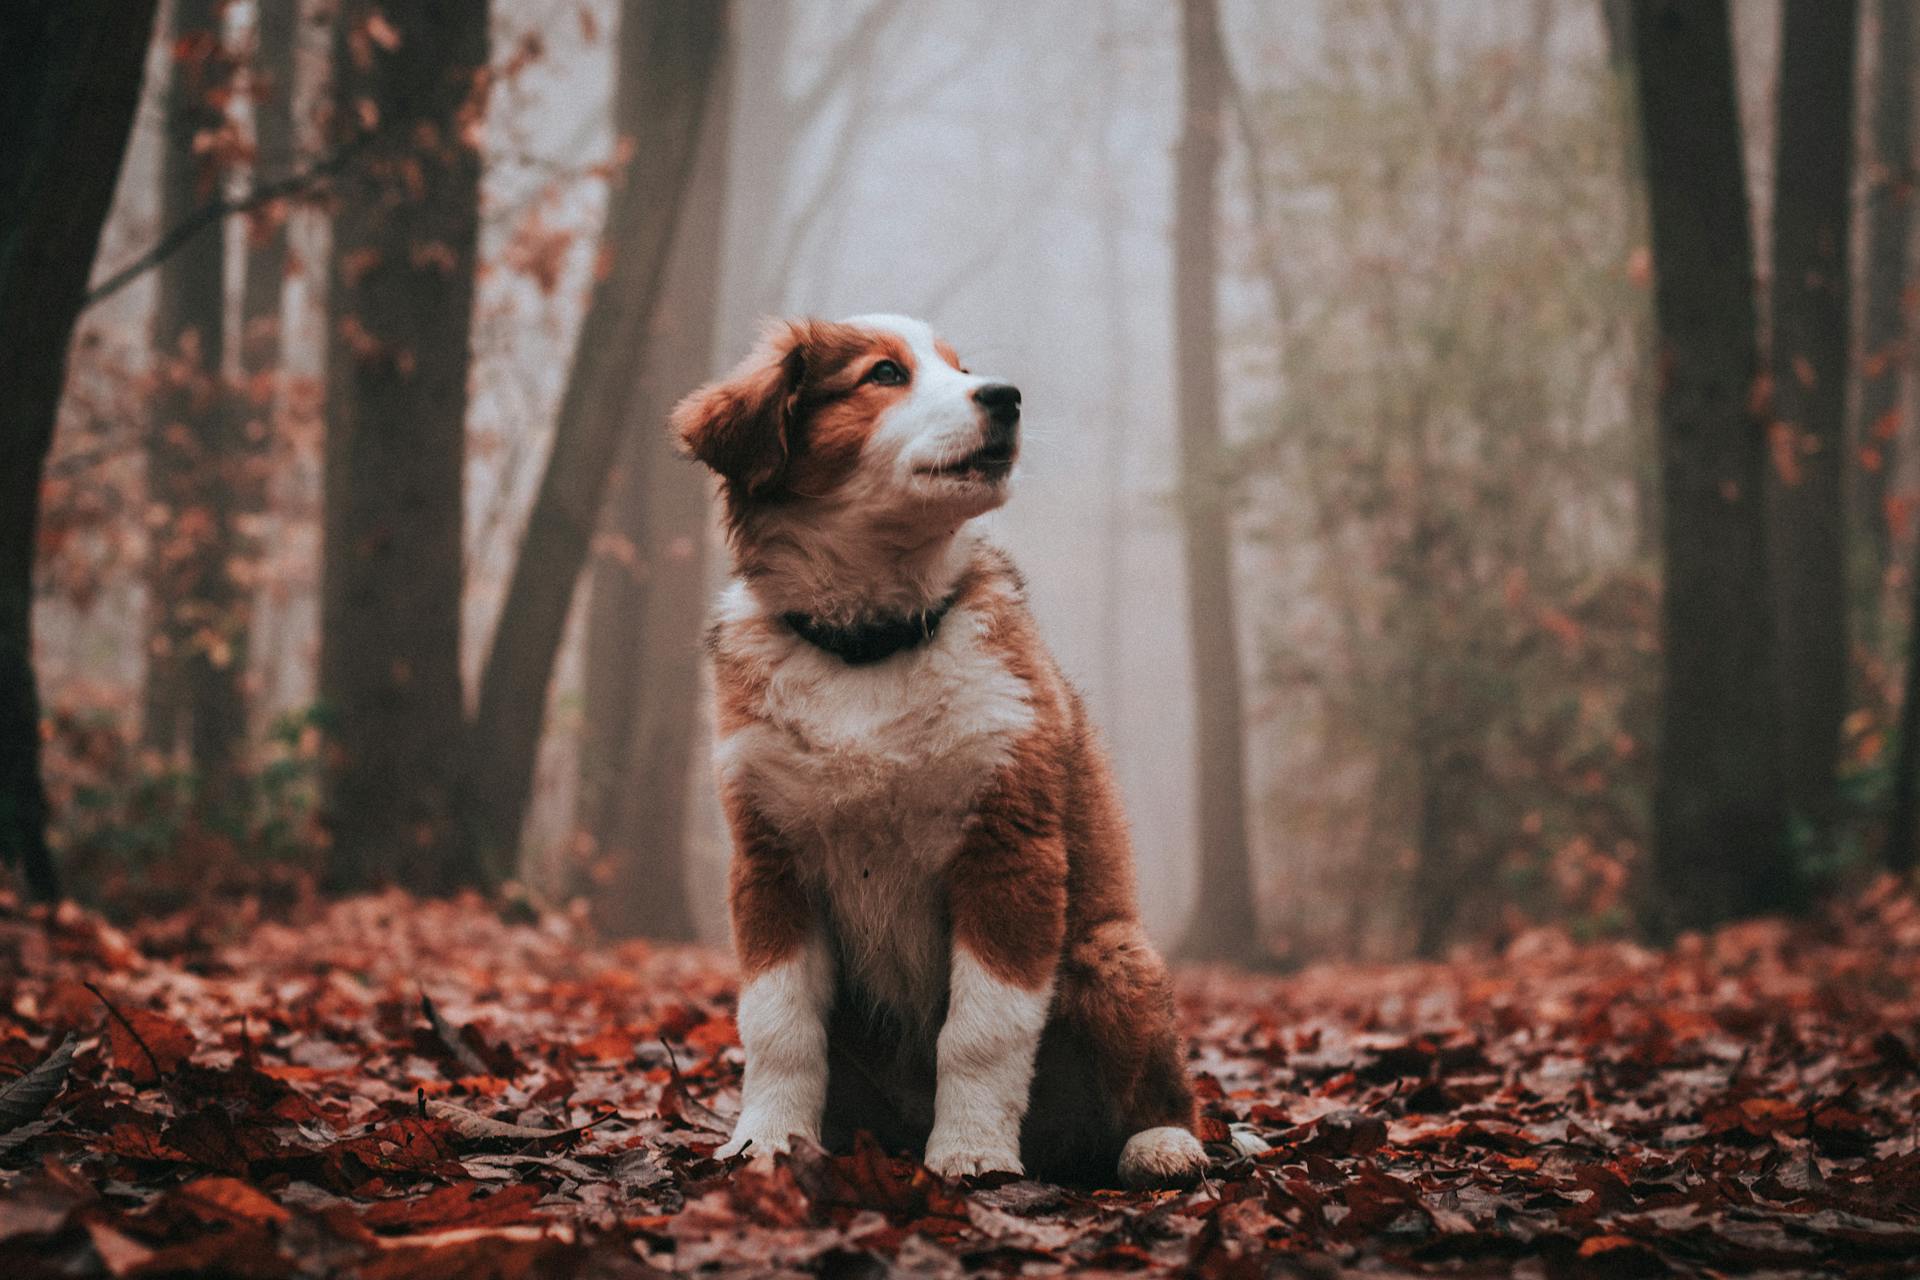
(1471,463)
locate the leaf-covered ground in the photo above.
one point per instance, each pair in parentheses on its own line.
(266,1099)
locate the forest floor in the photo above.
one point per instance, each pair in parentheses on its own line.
(244,1096)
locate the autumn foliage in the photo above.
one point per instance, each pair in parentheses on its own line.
(383,1086)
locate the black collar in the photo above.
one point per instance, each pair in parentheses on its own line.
(871,641)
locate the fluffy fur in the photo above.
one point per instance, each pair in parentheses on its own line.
(932,887)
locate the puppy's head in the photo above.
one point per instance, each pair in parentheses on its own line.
(872,416)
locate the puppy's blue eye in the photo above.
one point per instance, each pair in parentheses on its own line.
(887,374)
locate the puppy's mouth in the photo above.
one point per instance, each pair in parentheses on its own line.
(989,462)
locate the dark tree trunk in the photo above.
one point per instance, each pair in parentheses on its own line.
(1720,846)
(1883,340)
(1224,923)
(196,641)
(669,51)
(1811,202)
(400,304)
(649,590)
(70,73)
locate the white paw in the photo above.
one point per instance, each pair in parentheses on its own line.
(1168,1156)
(964,1155)
(761,1142)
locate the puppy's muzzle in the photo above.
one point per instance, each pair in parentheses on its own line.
(1001,403)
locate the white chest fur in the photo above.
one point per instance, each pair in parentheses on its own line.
(871,772)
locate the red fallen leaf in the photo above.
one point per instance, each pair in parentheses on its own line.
(1756,1117)
(465,1048)
(676,1022)
(464,1204)
(242,1087)
(615,1044)
(223,1199)
(119,1252)
(410,1144)
(140,1140)
(1842,1133)
(475,1127)
(1619,1256)
(714,1034)
(212,1138)
(248,1249)
(1344,1133)
(1376,1198)
(871,1179)
(678,1103)
(144,1044)
(492,1257)
(40,1203)
(1206,1088)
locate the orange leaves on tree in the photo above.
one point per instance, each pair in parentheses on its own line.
(539,251)
(1783,445)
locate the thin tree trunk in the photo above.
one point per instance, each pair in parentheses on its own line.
(1116,317)
(642,699)
(1617,27)
(1883,341)
(669,51)
(271,89)
(1811,207)
(193,694)
(70,73)
(1718,822)
(401,305)
(1224,923)
(1902,851)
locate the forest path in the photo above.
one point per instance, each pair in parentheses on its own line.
(273,1099)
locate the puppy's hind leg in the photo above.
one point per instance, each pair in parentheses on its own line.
(1115,992)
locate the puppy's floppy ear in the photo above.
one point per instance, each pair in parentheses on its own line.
(741,425)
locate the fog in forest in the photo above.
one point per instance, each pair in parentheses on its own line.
(1438,459)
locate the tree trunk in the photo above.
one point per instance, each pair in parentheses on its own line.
(668,54)
(1224,923)
(1718,824)
(1617,27)
(1902,851)
(1814,173)
(642,700)
(195,641)
(1883,341)
(271,88)
(401,304)
(70,73)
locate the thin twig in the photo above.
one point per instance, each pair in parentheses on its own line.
(687,1099)
(213,211)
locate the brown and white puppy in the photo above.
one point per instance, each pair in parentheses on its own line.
(932,887)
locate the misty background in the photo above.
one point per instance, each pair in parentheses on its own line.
(1439,461)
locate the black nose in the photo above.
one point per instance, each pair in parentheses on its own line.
(1001,400)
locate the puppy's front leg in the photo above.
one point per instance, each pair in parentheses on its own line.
(784,1031)
(1007,896)
(786,996)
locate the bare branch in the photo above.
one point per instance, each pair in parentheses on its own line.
(854,49)
(215,210)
